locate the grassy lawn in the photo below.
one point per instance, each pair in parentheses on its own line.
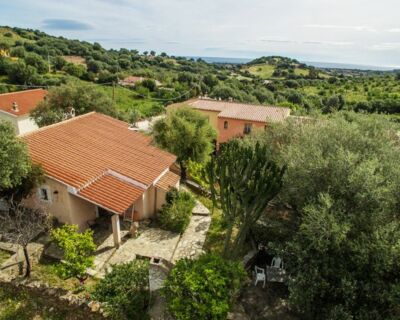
(127,100)
(264,71)
(300,72)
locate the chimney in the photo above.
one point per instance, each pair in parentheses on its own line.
(69,113)
(230,99)
(15,106)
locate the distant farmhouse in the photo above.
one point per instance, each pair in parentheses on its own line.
(97,166)
(234,119)
(132,81)
(16,106)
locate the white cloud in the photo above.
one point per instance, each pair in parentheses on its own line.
(386,46)
(343,27)
(314,30)
(308,42)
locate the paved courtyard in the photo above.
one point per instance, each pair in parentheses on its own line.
(155,243)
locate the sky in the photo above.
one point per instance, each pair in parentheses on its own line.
(342,31)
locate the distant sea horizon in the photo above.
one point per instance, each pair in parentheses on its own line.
(317,64)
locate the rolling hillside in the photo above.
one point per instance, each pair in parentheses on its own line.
(31,58)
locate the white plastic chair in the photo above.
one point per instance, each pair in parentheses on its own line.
(277,263)
(260,276)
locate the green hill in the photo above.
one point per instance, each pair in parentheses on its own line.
(31,58)
(276,67)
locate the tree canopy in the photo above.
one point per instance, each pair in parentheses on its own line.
(343,182)
(125,291)
(59,100)
(202,288)
(14,158)
(187,134)
(78,251)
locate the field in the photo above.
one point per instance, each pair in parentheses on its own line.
(126,100)
(266,71)
(75,60)
(356,90)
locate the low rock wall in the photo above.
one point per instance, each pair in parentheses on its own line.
(58,299)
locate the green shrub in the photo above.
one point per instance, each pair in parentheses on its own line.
(196,173)
(176,212)
(203,288)
(125,291)
(78,249)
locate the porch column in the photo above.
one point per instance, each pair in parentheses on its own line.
(116,230)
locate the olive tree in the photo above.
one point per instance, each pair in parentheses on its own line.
(343,182)
(187,134)
(20,225)
(14,158)
(59,100)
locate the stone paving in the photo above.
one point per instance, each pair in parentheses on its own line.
(192,240)
(154,242)
(103,254)
(200,209)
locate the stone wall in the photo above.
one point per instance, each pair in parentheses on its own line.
(58,299)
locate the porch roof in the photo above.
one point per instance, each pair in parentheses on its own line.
(167,181)
(111,193)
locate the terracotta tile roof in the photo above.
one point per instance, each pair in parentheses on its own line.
(112,193)
(25,101)
(242,111)
(208,105)
(80,150)
(167,181)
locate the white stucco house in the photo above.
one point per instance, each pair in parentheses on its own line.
(15,107)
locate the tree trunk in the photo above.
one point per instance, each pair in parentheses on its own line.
(82,280)
(183,171)
(227,241)
(240,239)
(28,262)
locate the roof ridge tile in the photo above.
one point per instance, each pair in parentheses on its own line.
(32,133)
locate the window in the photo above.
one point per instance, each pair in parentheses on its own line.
(247,128)
(225,124)
(44,193)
